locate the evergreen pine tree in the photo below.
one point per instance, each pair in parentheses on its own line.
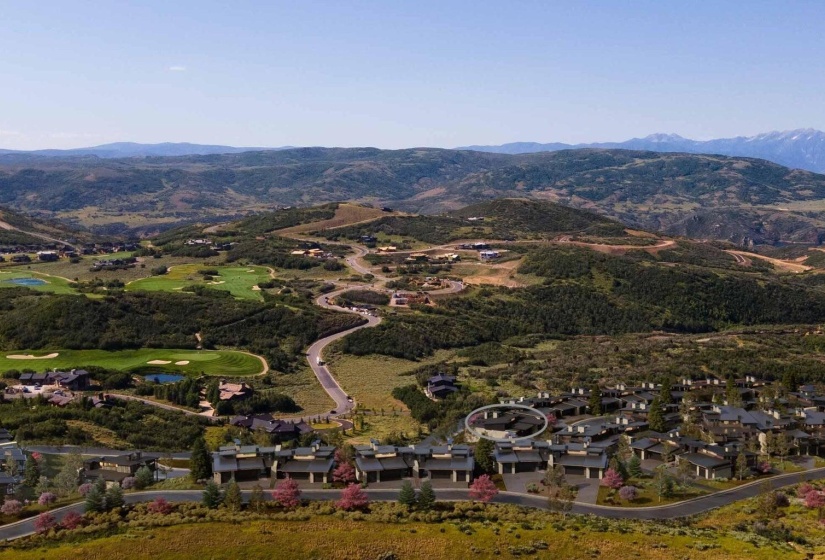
(634,466)
(232,498)
(114,497)
(407,495)
(426,497)
(665,394)
(655,418)
(31,474)
(144,477)
(212,495)
(595,402)
(483,455)
(200,464)
(95,500)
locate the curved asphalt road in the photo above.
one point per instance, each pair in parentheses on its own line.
(342,403)
(682,509)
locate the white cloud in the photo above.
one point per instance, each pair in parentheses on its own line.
(177,68)
(9,132)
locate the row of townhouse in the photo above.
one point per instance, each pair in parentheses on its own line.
(315,464)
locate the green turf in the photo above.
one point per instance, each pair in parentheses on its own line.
(53,284)
(209,362)
(237,280)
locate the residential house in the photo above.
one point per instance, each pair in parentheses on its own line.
(114,468)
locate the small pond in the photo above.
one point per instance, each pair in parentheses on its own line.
(26,281)
(163,378)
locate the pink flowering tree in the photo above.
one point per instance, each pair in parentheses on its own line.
(612,479)
(47,499)
(815,500)
(37,456)
(551,420)
(353,497)
(83,489)
(287,494)
(803,490)
(160,506)
(764,467)
(628,493)
(128,483)
(483,489)
(71,521)
(45,522)
(344,472)
(11,507)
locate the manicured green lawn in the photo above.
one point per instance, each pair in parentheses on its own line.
(237,280)
(53,284)
(210,362)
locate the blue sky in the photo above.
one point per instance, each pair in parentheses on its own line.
(393,74)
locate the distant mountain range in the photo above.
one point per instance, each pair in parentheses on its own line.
(133,149)
(744,200)
(798,149)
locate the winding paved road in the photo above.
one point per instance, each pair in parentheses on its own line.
(674,511)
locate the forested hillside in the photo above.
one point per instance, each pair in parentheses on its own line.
(590,293)
(671,192)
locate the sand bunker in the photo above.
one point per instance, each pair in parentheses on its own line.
(216,283)
(159,362)
(251,270)
(32,356)
(182,363)
(256,288)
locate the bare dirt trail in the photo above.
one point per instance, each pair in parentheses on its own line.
(784,266)
(9,227)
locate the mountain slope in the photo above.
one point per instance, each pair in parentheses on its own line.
(798,149)
(655,191)
(134,149)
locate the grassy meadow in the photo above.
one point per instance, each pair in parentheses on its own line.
(209,362)
(333,538)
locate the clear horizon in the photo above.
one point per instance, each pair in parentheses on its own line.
(393,76)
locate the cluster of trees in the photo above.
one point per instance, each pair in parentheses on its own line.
(364,296)
(273,252)
(161,320)
(140,426)
(591,293)
(444,414)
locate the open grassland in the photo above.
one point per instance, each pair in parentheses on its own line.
(304,389)
(345,215)
(380,427)
(53,284)
(210,362)
(332,538)
(370,379)
(237,280)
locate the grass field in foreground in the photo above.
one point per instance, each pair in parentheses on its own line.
(331,538)
(237,280)
(210,362)
(52,284)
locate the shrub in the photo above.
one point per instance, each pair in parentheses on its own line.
(46,499)
(160,506)
(612,479)
(483,489)
(71,521)
(83,489)
(628,493)
(287,494)
(11,507)
(128,483)
(803,490)
(352,497)
(44,522)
